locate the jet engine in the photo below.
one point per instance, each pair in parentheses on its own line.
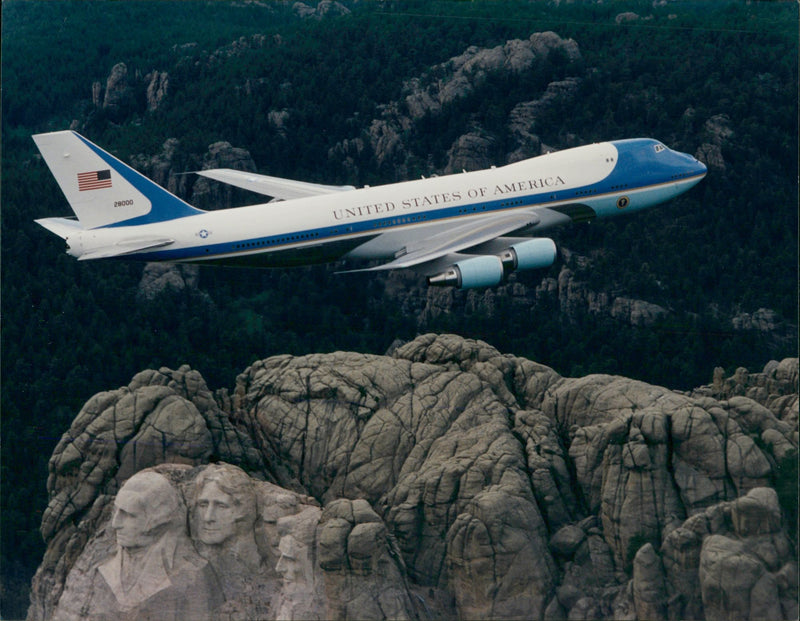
(489,270)
(482,271)
(529,255)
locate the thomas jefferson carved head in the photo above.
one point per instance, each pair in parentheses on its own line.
(224,504)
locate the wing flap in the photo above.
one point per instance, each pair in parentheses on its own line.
(271,186)
(458,239)
(126,247)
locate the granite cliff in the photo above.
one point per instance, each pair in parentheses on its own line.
(432,93)
(446,480)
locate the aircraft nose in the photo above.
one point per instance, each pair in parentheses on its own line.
(692,165)
(699,167)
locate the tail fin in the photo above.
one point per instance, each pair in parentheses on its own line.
(101,190)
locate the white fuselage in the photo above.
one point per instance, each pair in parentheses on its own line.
(380,222)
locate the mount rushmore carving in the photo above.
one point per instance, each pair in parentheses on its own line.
(251,551)
(444,481)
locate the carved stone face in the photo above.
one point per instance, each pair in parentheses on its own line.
(291,563)
(216,515)
(130,521)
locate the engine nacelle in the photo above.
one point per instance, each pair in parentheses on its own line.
(529,255)
(482,271)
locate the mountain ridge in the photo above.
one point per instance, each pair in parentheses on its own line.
(488,485)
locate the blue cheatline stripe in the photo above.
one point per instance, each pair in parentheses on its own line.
(164,206)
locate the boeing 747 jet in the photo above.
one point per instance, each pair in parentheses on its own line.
(463,230)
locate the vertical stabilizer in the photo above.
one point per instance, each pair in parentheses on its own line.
(101,190)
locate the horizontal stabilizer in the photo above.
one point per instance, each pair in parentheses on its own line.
(63,227)
(271,186)
(126,247)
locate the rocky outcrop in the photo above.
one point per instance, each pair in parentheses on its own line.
(119,92)
(464,73)
(278,120)
(236,48)
(457,78)
(209,194)
(716,132)
(770,397)
(569,292)
(157,87)
(168,167)
(160,417)
(734,561)
(160,277)
(763,320)
(444,481)
(97,91)
(119,98)
(472,151)
(766,323)
(326,8)
(627,17)
(637,312)
(523,119)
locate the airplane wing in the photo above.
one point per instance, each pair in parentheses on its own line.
(271,186)
(127,246)
(457,239)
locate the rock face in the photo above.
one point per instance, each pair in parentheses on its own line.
(167,168)
(119,96)
(444,481)
(119,92)
(430,93)
(326,8)
(157,87)
(207,193)
(716,133)
(160,417)
(570,292)
(159,277)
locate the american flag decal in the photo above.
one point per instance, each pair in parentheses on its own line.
(94,180)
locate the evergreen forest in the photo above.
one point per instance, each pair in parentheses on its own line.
(291,86)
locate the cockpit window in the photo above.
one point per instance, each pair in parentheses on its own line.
(659,147)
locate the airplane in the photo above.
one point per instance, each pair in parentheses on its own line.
(464,230)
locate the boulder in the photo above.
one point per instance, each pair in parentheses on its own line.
(734,583)
(733,560)
(649,585)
